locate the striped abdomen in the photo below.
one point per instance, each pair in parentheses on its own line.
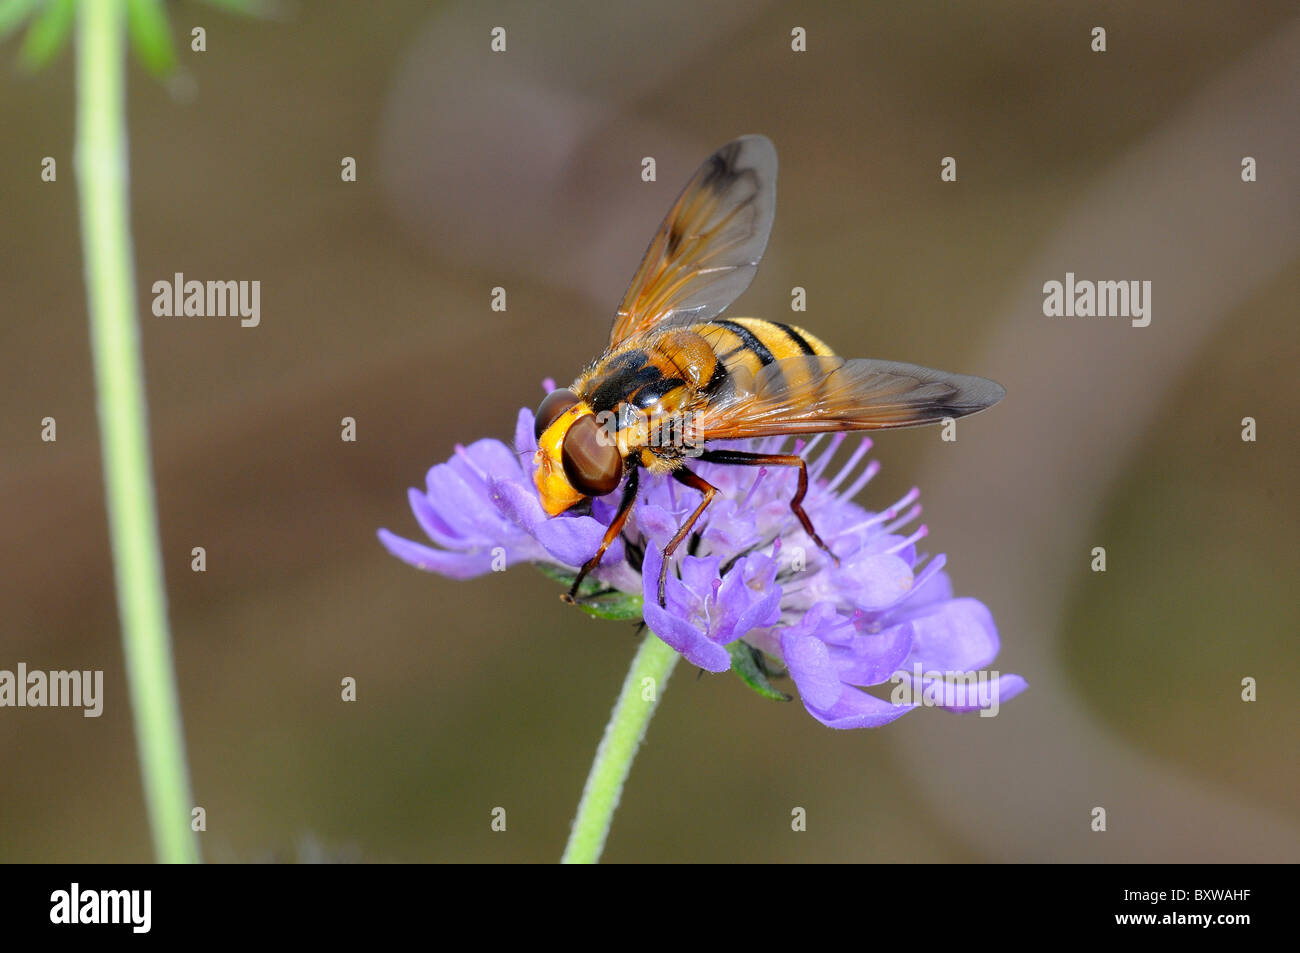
(752,343)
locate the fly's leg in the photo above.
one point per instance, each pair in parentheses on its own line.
(695,482)
(742,459)
(611,534)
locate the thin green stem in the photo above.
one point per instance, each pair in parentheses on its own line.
(101,161)
(636,704)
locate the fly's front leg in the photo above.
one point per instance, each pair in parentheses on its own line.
(695,482)
(611,534)
(742,459)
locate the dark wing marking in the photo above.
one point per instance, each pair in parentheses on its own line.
(709,245)
(817,394)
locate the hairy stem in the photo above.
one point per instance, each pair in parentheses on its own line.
(101,164)
(627,726)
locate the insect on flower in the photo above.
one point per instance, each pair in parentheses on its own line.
(674,367)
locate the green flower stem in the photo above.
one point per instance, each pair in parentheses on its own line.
(101,161)
(627,726)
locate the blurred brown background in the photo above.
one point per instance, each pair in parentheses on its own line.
(522,170)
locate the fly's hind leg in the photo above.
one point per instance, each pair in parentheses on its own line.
(742,459)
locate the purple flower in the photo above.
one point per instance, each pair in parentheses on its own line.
(707,610)
(885,616)
(481,509)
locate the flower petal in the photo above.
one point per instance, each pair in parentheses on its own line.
(872,657)
(874,582)
(463,507)
(761,614)
(958,636)
(930,588)
(570,539)
(699,573)
(993,693)
(975,695)
(809,662)
(431,521)
(824,621)
(685,638)
(856,709)
(525,442)
(656,522)
(680,602)
(490,458)
(452,564)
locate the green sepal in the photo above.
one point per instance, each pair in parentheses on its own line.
(151,37)
(13,13)
(47,33)
(747,662)
(597,599)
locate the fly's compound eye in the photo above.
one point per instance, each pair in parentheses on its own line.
(591,460)
(549,410)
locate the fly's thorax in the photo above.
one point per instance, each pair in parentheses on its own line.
(687,356)
(668,429)
(644,393)
(655,374)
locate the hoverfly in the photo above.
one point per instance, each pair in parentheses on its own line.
(671,357)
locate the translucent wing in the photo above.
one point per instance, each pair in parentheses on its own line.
(708,247)
(817,394)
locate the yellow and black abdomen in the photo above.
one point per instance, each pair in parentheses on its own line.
(753,343)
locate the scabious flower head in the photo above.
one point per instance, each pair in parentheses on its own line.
(751,580)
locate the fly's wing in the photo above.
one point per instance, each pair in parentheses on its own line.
(708,247)
(818,394)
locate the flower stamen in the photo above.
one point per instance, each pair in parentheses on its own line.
(884,515)
(816,468)
(902,521)
(866,477)
(919,535)
(849,465)
(762,472)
